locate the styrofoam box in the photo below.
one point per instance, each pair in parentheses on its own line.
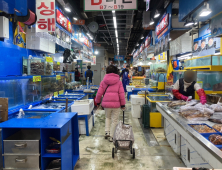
(82,125)
(136,110)
(136,99)
(83,107)
(129,88)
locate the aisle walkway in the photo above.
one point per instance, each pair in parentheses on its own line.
(95,151)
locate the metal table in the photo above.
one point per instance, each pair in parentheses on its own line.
(207,153)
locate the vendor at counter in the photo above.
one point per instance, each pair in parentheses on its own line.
(186,87)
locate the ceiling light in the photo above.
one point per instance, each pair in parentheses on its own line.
(151,22)
(113,11)
(157,14)
(142,37)
(114,22)
(206,11)
(96,52)
(195,23)
(169,39)
(189,22)
(116,33)
(67,9)
(137,44)
(117,41)
(75,18)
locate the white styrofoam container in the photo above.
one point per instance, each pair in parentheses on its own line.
(82,126)
(83,107)
(136,99)
(129,88)
(136,110)
(4,27)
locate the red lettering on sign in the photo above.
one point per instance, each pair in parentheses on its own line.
(115,7)
(47,11)
(162,25)
(43,24)
(96,3)
(51,24)
(101,7)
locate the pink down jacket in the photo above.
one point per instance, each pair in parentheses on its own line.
(114,96)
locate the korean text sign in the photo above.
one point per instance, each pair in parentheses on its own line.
(63,21)
(45,11)
(119,58)
(106,5)
(162,25)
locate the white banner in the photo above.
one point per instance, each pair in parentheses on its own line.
(45,11)
(108,5)
(93,60)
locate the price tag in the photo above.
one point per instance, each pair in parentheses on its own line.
(49,59)
(58,77)
(58,63)
(37,78)
(55,94)
(61,92)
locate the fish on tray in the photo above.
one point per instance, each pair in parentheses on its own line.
(216,120)
(176,103)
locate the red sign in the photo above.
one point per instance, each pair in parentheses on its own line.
(148,41)
(45,11)
(79,22)
(141,48)
(162,25)
(63,21)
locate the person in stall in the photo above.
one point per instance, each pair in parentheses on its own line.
(186,87)
(77,74)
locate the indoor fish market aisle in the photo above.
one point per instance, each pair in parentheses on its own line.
(96,151)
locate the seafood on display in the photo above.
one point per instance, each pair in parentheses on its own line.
(216,139)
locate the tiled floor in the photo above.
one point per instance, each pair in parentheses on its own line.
(95,151)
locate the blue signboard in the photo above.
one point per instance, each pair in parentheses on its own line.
(119,58)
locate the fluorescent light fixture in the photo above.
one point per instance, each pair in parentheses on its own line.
(206,11)
(169,39)
(195,23)
(113,11)
(157,14)
(137,44)
(117,45)
(142,37)
(116,33)
(151,22)
(96,52)
(189,22)
(75,18)
(117,41)
(67,9)
(114,22)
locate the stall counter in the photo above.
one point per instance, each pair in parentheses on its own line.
(194,149)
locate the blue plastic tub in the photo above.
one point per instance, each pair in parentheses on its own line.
(207,135)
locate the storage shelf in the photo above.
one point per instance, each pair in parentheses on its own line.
(52,155)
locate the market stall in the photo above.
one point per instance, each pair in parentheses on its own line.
(194,148)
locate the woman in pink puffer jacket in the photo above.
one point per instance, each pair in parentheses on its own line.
(113,99)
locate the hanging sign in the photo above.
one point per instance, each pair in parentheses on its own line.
(45,12)
(37,78)
(119,58)
(49,59)
(147,5)
(93,60)
(216,26)
(162,45)
(109,5)
(160,28)
(148,41)
(63,21)
(162,56)
(58,77)
(79,22)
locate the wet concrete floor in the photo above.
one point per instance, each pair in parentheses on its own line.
(96,151)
